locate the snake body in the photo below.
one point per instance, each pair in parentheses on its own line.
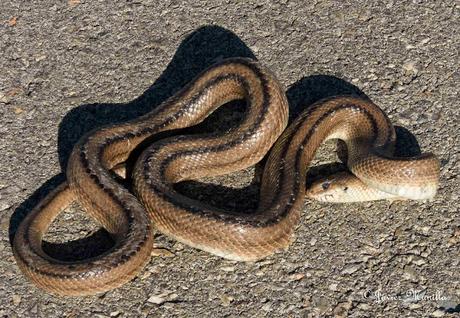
(236,235)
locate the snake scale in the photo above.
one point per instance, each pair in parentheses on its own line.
(129,216)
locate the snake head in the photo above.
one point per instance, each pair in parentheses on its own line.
(333,188)
(344,187)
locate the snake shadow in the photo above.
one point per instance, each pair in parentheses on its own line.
(199,50)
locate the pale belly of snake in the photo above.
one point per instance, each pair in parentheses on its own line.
(130,217)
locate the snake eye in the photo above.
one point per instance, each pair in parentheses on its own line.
(326,185)
(345,189)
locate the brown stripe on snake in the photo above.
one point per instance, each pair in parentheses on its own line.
(362,125)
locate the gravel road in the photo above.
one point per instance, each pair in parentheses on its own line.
(70,66)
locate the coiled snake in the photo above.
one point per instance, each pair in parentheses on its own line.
(129,217)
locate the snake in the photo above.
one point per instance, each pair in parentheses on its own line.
(130,214)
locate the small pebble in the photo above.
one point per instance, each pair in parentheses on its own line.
(425,41)
(438,313)
(73,3)
(156,299)
(364,306)
(4,205)
(226,300)
(341,310)
(16,300)
(18,110)
(162,252)
(419,261)
(296,276)
(365,16)
(162,298)
(263,263)
(145,275)
(410,67)
(178,246)
(410,273)
(415,306)
(173,297)
(350,269)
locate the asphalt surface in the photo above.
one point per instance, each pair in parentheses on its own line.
(68,67)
